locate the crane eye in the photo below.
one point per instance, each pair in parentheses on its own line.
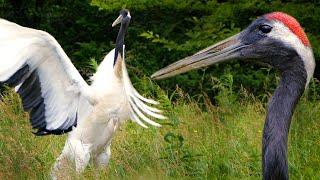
(265,28)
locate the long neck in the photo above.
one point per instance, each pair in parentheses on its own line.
(120,40)
(277,124)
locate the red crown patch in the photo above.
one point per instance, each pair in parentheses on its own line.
(291,23)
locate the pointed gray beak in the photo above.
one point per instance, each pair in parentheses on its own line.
(117,21)
(225,50)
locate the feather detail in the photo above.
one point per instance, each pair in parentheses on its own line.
(141,115)
(134,117)
(138,108)
(144,108)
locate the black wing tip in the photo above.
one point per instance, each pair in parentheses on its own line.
(45,132)
(18,76)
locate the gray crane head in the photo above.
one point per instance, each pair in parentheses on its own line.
(272,39)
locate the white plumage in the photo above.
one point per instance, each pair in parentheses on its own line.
(118,101)
(58,98)
(39,53)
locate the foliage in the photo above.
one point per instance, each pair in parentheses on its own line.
(215,142)
(188,26)
(160,33)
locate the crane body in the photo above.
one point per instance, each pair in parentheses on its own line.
(91,139)
(112,100)
(59,100)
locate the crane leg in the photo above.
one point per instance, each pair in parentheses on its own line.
(102,160)
(74,151)
(56,169)
(81,155)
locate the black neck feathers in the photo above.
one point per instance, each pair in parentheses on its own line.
(279,114)
(120,39)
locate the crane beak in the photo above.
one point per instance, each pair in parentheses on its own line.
(225,50)
(117,21)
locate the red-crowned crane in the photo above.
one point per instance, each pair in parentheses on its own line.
(58,98)
(278,40)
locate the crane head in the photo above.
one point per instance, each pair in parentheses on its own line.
(123,19)
(273,39)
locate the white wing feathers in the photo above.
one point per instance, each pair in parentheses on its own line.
(34,63)
(138,108)
(51,88)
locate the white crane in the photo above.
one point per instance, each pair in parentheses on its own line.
(59,100)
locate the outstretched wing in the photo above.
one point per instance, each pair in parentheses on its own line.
(34,63)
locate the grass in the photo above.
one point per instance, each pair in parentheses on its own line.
(197,142)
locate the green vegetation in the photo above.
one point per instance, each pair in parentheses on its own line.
(161,32)
(215,115)
(210,142)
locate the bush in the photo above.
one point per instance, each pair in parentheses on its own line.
(160,33)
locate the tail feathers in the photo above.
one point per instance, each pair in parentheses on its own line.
(147,109)
(139,110)
(135,118)
(151,101)
(141,115)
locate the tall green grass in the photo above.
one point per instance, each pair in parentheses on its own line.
(199,141)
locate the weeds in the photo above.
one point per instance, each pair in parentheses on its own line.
(206,141)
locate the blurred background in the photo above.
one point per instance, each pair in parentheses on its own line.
(215,114)
(161,32)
